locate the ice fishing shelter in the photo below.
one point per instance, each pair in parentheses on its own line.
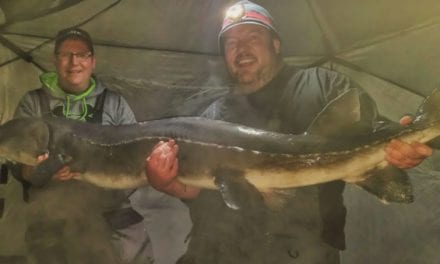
(162,56)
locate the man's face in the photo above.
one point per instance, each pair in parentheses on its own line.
(74,64)
(251,55)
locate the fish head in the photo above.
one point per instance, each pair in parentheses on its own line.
(23,140)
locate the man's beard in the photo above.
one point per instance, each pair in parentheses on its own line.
(251,81)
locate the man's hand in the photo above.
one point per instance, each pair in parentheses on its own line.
(162,166)
(63,174)
(406,155)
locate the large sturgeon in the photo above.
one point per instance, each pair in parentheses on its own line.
(114,156)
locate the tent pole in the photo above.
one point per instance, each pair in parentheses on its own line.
(20,53)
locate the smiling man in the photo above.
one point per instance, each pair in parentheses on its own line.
(72,91)
(252,56)
(67,223)
(75,62)
(308,225)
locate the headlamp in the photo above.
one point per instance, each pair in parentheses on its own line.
(235,13)
(245,12)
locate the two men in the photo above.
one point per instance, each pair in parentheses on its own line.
(74,222)
(309,226)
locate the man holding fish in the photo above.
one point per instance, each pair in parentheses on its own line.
(306,225)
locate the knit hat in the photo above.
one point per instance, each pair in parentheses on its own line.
(73,33)
(246,12)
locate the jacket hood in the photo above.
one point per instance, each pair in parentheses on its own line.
(71,106)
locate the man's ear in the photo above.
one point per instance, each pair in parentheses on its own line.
(93,62)
(276,45)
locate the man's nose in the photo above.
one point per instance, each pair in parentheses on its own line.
(74,59)
(242,46)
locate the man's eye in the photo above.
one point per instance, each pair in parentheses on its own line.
(83,55)
(64,54)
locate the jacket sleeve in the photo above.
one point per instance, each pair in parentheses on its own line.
(309,92)
(126,115)
(117,111)
(28,106)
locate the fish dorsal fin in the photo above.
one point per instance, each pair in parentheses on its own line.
(338,117)
(429,110)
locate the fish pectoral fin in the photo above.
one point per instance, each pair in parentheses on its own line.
(389,184)
(236,191)
(44,171)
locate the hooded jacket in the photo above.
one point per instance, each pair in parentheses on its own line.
(310,215)
(116,110)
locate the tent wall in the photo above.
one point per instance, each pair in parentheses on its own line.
(16,79)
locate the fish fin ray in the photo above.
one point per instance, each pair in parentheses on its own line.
(390,184)
(237,192)
(429,109)
(349,115)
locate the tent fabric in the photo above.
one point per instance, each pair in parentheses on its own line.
(175,42)
(162,56)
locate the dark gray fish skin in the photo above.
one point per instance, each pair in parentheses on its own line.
(117,154)
(114,157)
